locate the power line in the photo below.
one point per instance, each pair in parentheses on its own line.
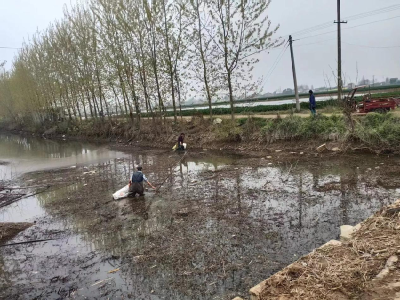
(314,28)
(378,47)
(374,12)
(319,42)
(276,62)
(274,65)
(366,46)
(307,37)
(350,18)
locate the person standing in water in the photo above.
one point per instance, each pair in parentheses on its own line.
(313,103)
(136,183)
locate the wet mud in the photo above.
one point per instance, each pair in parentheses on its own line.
(220,224)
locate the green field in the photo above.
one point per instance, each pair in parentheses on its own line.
(304,95)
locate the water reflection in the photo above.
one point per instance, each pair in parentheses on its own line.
(245,221)
(28,154)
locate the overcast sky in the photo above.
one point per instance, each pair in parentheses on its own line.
(314,56)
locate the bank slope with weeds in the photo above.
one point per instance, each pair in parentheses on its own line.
(374,132)
(365,267)
(380,131)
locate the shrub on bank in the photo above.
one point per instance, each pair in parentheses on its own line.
(322,126)
(379,130)
(229,131)
(295,127)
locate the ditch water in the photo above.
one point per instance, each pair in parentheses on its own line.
(220,224)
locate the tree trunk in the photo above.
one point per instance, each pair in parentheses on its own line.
(203,59)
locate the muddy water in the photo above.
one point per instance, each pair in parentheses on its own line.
(19,155)
(221,223)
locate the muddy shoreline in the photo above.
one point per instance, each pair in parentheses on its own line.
(278,150)
(222,223)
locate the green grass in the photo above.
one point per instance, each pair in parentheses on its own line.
(329,106)
(294,127)
(246,110)
(381,95)
(303,95)
(376,131)
(289,128)
(379,130)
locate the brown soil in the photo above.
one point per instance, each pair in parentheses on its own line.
(10,230)
(346,271)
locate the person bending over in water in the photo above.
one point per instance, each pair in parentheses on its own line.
(136,183)
(181,139)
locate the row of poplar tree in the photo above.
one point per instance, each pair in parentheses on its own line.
(130,57)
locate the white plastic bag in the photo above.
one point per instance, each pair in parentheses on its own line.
(122,193)
(184,145)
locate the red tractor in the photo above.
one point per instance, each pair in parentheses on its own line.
(370,104)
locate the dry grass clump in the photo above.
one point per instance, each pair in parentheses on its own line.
(10,230)
(342,271)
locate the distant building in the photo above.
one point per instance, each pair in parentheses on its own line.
(393,80)
(321,89)
(287,91)
(365,82)
(351,86)
(303,88)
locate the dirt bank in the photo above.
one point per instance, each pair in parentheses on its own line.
(364,267)
(291,135)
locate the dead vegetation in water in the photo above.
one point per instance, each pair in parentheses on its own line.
(9,230)
(348,270)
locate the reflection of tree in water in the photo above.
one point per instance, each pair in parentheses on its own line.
(300,197)
(17,146)
(347,185)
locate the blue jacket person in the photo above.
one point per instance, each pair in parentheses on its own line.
(136,182)
(312,102)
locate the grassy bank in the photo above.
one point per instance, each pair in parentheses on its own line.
(373,131)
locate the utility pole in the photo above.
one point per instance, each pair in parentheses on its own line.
(339,80)
(296,91)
